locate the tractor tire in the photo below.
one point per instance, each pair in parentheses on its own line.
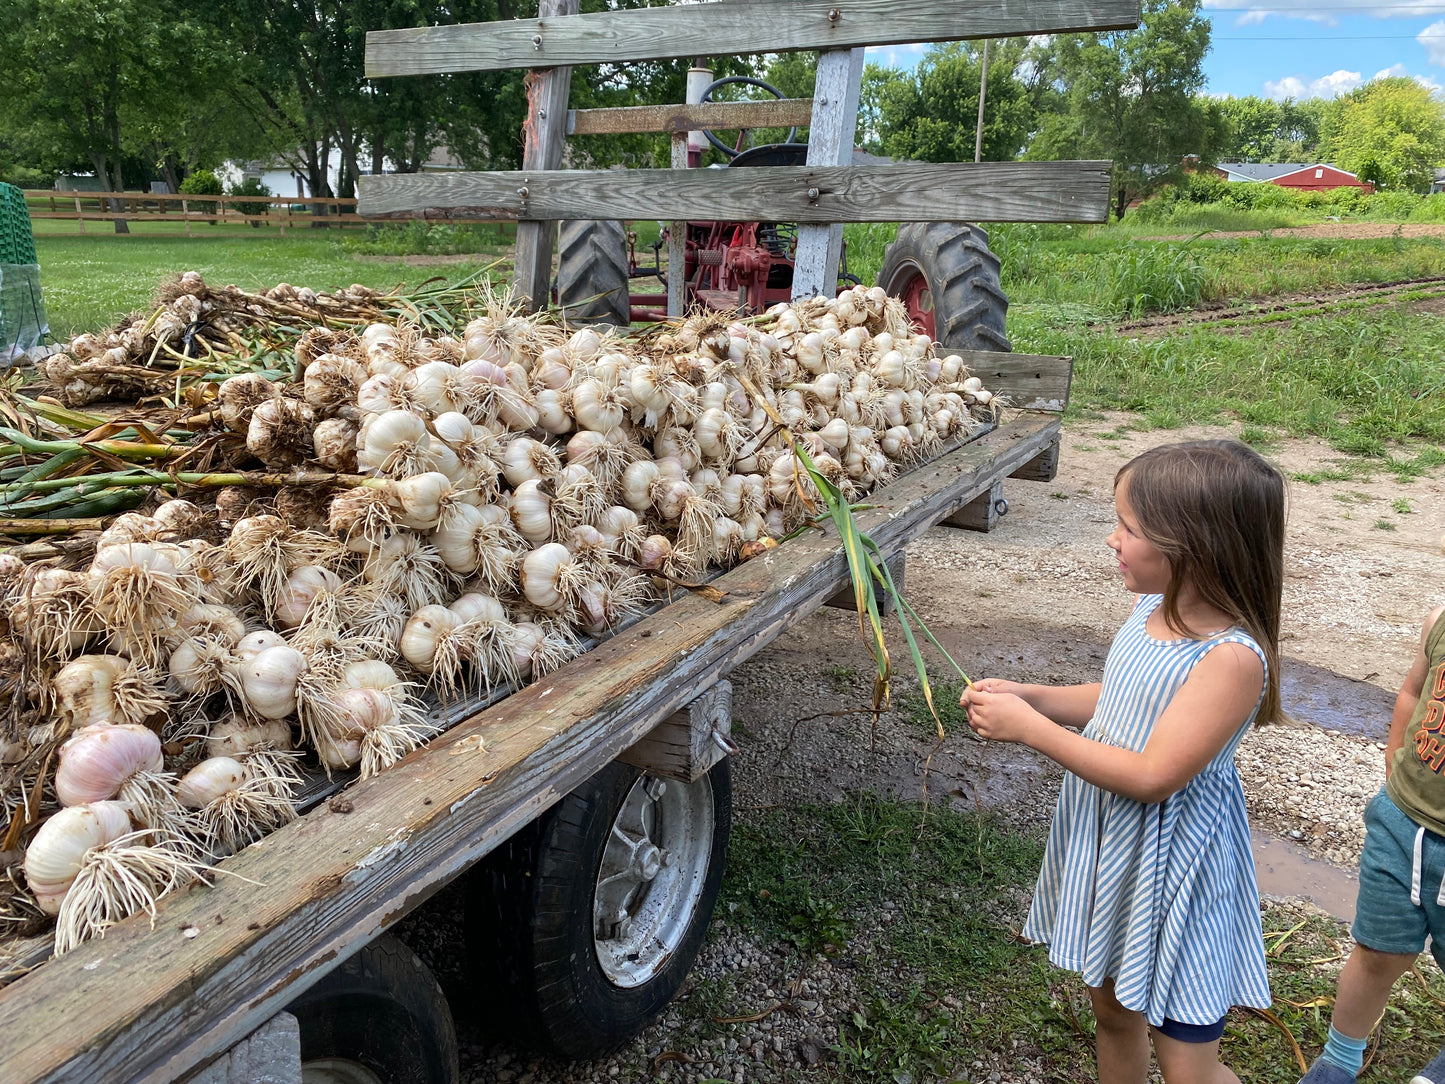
(379,1018)
(575,943)
(948,278)
(592,284)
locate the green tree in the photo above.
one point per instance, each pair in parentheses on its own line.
(1133,97)
(1252,125)
(1390,132)
(106,64)
(933,115)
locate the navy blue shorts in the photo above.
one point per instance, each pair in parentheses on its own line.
(1192,1033)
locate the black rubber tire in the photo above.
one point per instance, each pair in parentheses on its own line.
(592,284)
(534,972)
(382,1009)
(969,307)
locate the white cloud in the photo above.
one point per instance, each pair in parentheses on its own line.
(1337,83)
(1259,10)
(1433,38)
(1326,86)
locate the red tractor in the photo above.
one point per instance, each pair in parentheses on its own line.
(943,271)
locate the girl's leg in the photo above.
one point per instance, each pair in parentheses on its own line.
(1364,989)
(1122,1038)
(1191,1063)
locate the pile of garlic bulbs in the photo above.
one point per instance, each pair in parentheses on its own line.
(495,499)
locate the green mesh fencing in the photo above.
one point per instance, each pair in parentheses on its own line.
(23,325)
(17,243)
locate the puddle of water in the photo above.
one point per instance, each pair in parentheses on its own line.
(1322,697)
(1284,869)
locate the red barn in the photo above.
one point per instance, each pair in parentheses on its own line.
(1316,177)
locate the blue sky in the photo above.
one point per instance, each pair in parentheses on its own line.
(1304,48)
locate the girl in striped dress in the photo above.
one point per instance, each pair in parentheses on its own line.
(1148,886)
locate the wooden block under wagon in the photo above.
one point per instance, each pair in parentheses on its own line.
(845,600)
(981,513)
(686,744)
(1043,467)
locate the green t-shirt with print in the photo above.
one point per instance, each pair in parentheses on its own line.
(1417,782)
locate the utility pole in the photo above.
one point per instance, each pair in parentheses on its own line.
(982,91)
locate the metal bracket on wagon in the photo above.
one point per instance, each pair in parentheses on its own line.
(686,744)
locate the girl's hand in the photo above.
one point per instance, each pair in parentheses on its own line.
(997,714)
(996,685)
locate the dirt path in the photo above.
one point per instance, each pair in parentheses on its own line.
(1343,231)
(1417,295)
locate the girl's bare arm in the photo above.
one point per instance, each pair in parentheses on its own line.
(1209,707)
(1067,705)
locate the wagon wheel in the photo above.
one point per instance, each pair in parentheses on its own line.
(583,926)
(949,280)
(592,280)
(379,1018)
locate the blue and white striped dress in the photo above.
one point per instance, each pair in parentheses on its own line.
(1162,898)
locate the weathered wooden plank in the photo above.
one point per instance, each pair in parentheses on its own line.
(307,896)
(686,744)
(545,140)
(769,113)
(1042,467)
(981,513)
(830,143)
(921,192)
(1029,381)
(734,26)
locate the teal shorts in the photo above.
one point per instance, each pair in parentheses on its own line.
(1401,905)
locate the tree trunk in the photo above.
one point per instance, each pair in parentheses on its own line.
(1121,203)
(378,155)
(171,171)
(110,180)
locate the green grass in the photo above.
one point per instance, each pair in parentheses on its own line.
(921,910)
(90,282)
(1364,381)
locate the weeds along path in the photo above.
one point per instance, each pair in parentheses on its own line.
(1288,307)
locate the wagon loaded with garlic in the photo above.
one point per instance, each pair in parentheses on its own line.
(446,566)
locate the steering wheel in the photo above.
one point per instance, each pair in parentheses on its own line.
(733,152)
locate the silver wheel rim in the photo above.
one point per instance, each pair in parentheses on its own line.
(651,877)
(337,1071)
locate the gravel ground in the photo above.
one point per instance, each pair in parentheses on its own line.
(1036,600)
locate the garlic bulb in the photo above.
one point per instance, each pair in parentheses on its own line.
(279,434)
(236,735)
(423,634)
(268,681)
(106,689)
(394,443)
(301,591)
(98,760)
(550,578)
(237,802)
(332,381)
(239,396)
(334,441)
(134,588)
(54,856)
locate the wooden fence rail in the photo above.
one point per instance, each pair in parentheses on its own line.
(282,211)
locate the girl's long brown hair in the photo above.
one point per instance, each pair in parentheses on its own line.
(1215,510)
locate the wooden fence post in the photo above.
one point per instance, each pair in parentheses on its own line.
(79,214)
(830,143)
(677,240)
(545,136)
